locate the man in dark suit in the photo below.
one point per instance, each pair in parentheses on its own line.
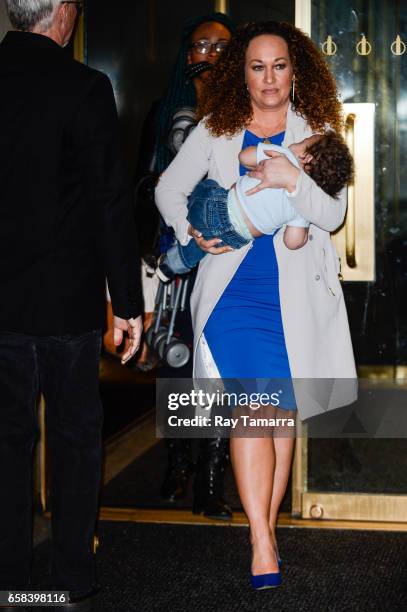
(65,227)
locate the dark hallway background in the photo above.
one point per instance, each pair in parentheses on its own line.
(136,42)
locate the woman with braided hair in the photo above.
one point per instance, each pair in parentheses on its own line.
(203,40)
(191,70)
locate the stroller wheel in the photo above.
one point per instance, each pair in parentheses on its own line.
(161,345)
(177,354)
(149,335)
(160,335)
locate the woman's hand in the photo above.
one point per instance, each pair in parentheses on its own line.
(209,246)
(277,172)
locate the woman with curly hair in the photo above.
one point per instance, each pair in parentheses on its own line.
(264,311)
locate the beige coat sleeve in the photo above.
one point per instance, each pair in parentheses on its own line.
(177,182)
(316,206)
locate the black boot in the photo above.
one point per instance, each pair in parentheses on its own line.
(179,470)
(208,485)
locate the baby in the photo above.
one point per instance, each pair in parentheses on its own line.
(237,218)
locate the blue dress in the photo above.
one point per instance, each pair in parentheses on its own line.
(244,331)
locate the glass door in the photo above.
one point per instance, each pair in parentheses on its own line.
(362,474)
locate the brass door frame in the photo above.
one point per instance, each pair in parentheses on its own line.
(343,506)
(303,15)
(79,40)
(222,6)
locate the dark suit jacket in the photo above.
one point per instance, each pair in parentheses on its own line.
(66,218)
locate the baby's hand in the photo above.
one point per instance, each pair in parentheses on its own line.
(300,151)
(248,157)
(299,148)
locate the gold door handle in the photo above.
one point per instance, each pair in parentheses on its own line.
(350,218)
(355,239)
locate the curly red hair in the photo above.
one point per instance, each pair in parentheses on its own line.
(226,104)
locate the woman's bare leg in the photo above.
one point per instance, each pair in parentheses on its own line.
(283,452)
(253,461)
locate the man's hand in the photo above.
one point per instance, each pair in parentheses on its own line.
(277,172)
(134,328)
(209,246)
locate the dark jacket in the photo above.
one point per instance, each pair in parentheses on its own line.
(66,218)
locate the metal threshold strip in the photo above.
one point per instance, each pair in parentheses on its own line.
(185,517)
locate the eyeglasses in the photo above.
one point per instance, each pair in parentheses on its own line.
(79,5)
(204,46)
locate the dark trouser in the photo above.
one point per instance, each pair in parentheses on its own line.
(65,369)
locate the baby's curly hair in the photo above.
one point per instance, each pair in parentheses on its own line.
(225,101)
(331,166)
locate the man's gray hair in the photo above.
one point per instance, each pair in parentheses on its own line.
(27,15)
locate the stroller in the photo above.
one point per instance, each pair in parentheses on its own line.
(170,299)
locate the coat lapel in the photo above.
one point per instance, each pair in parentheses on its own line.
(296,128)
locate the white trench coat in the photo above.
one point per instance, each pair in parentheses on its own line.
(313,310)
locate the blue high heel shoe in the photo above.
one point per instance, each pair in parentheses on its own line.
(266,581)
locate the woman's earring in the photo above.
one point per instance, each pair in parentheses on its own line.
(293,89)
